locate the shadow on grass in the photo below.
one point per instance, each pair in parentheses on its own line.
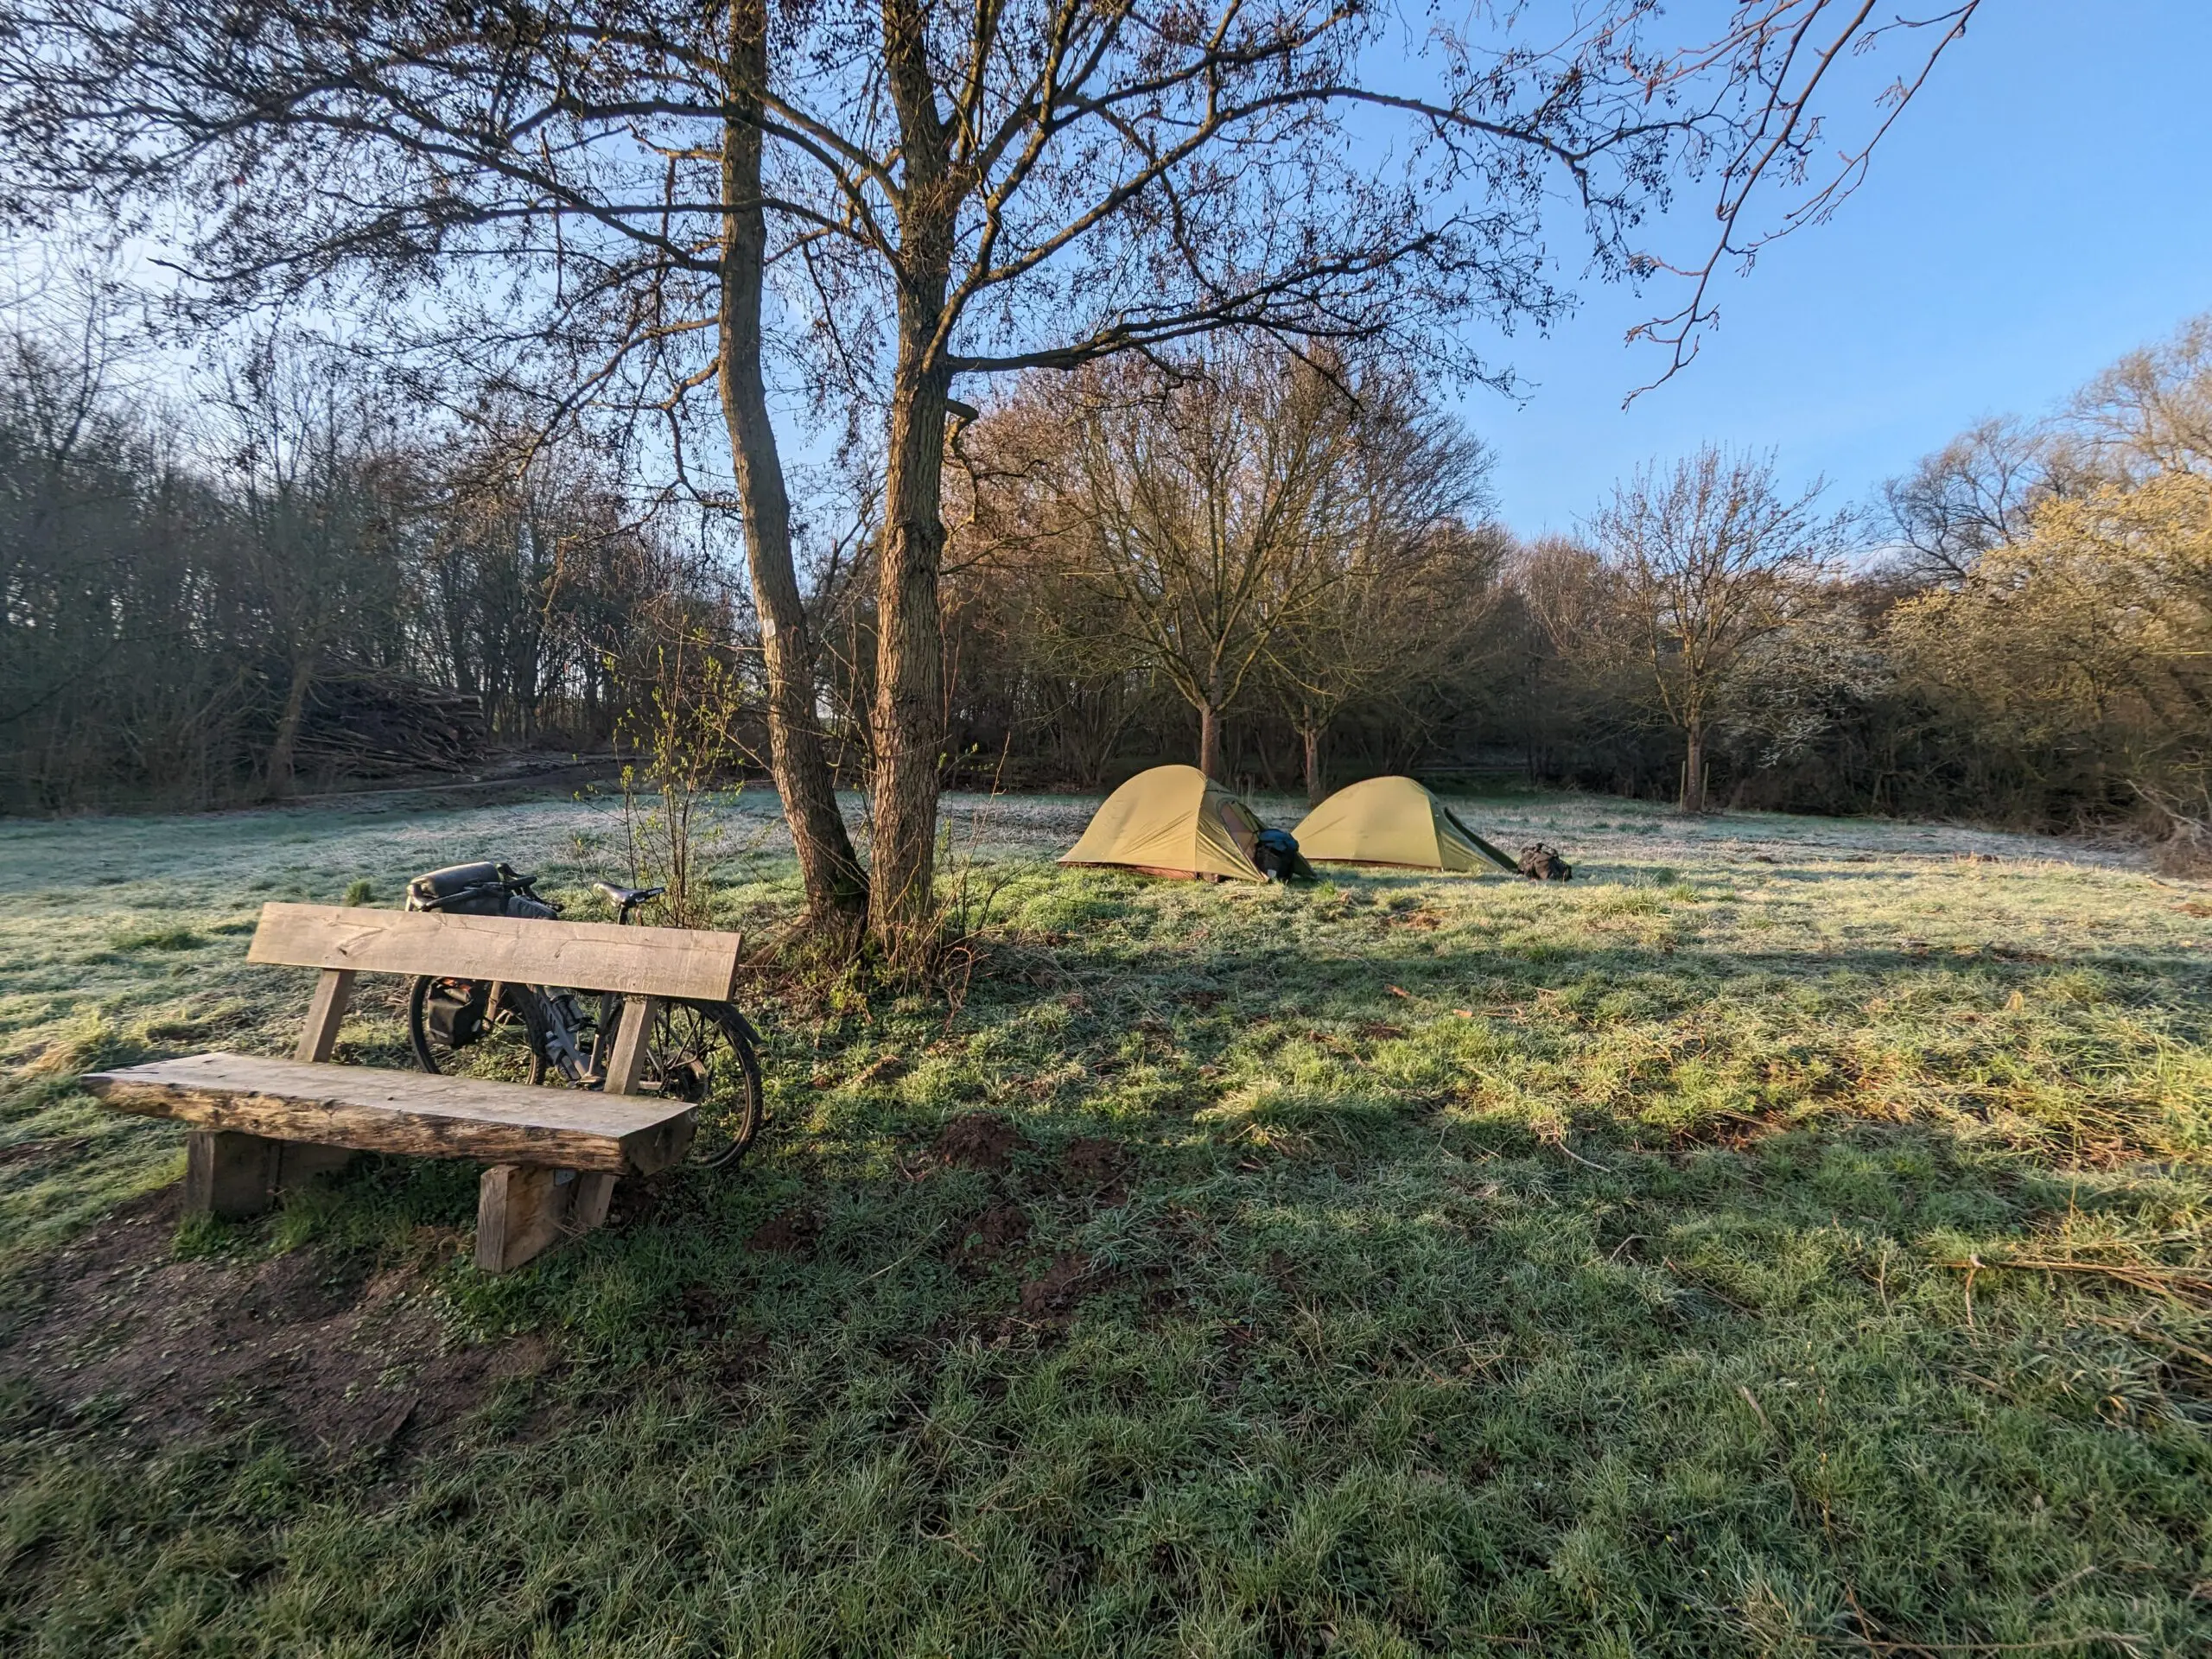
(1274,1312)
(1123,1383)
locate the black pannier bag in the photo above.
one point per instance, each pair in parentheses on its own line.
(463,889)
(529,908)
(453,1009)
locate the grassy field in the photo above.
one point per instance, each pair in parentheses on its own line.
(1401,1266)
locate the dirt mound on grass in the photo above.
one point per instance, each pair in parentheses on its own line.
(1054,1293)
(996,1233)
(978,1140)
(122,1341)
(789,1232)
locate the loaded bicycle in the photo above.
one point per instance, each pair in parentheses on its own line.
(703,1054)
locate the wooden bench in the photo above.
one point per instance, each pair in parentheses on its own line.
(259,1125)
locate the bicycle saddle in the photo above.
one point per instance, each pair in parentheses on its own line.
(628,897)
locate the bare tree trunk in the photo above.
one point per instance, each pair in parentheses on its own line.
(277,778)
(1312,735)
(836,887)
(1210,742)
(1693,769)
(907,721)
(909,714)
(1210,756)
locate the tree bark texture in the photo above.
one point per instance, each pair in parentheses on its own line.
(907,722)
(1210,742)
(836,887)
(1694,770)
(909,713)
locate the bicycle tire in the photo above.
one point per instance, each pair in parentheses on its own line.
(427,1051)
(729,1117)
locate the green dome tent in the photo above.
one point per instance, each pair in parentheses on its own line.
(1172,821)
(1393,821)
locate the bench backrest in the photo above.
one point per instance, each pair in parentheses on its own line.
(665,961)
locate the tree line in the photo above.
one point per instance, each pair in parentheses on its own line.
(280,581)
(1281,566)
(1267,566)
(703,218)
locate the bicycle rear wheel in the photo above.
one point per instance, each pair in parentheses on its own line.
(702,1053)
(456,1033)
(705,1054)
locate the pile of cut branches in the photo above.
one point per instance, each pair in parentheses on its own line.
(375,724)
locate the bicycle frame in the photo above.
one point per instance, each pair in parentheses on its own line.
(562,1024)
(560,1032)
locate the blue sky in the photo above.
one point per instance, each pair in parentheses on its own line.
(2044,206)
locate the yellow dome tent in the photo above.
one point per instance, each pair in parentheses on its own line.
(1172,821)
(1393,821)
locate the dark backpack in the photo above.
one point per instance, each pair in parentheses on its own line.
(1542,863)
(1275,851)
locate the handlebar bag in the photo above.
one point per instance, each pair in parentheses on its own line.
(464,889)
(480,889)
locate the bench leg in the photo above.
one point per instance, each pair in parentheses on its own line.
(522,1210)
(226,1174)
(299,1163)
(593,1193)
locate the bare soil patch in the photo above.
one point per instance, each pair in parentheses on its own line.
(995,1234)
(32,1152)
(1093,1165)
(637,1198)
(703,1306)
(978,1140)
(122,1338)
(1054,1293)
(789,1232)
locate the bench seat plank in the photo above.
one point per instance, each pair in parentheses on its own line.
(374,1110)
(670,962)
